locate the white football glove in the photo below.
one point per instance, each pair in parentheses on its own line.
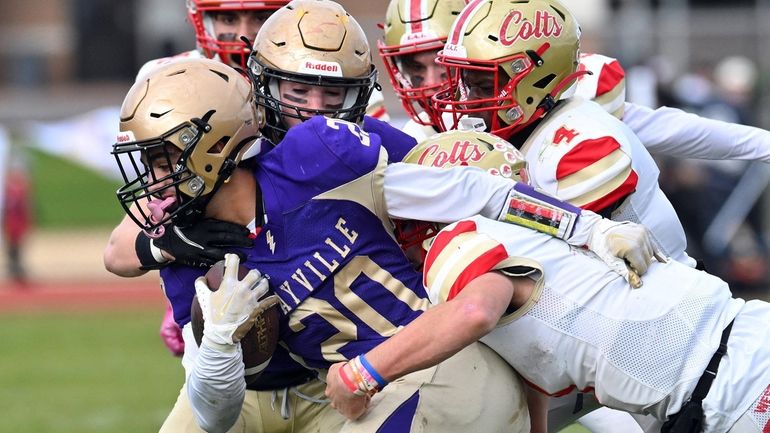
(229,312)
(625,247)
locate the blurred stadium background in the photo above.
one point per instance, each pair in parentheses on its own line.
(80,351)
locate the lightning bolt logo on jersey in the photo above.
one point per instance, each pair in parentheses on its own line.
(344,283)
(270,241)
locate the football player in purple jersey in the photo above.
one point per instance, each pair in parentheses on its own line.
(322,198)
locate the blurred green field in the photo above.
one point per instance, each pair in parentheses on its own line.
(575,429)
(68,195)
(88,372)
(95,372)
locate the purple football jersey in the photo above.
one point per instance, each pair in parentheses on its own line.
(344,282)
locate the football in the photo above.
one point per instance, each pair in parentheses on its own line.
(259,342)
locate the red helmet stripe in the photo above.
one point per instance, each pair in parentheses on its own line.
(462,21)
(416,15)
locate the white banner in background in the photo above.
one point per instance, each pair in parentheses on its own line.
(86,139)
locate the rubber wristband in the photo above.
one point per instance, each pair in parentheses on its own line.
(364,363)
(349,383)
(364,379)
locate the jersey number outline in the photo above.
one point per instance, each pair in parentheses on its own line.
(346,328)
(354,129)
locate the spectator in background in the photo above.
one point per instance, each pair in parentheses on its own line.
(16,216)
(700,190)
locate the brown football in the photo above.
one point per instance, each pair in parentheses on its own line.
(259,343)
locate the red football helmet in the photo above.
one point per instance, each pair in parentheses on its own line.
(414,31)
(228,49)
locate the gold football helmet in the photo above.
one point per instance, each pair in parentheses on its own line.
(313,43)
(452,149)
(412,28)
(509,63)
(183,129)
(470,148)
(226,48)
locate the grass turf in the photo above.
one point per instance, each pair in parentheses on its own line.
(68,195)
(104,372)
(85,372)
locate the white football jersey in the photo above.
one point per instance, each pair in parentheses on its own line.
(605,85)
(583,155)
(417,131)
(584,328)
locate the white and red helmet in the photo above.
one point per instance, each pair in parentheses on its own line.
(412,27)
(201,16)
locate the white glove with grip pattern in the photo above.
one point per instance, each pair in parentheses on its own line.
(230,310)
(625,247)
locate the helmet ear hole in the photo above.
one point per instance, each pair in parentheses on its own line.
(218,146)
(545,81)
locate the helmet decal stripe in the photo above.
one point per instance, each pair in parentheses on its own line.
(462,21)
(416,15)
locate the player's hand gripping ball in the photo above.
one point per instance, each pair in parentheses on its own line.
(237,304)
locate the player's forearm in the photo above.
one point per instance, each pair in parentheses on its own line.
(216,388)
(433,337)
(444,329)
(120,255)
(442,195)
(447,195)
(673,132)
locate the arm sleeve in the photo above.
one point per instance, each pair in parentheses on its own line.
(443,195)
(216,388)
(673,132)
(448,195)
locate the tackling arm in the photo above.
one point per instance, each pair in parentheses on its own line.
(673,132)
(120,257)
(434,336)
(130,252)
(446,195)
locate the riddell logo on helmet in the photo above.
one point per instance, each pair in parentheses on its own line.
(330,69)
(545,25)
(462,153)
(125,137)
